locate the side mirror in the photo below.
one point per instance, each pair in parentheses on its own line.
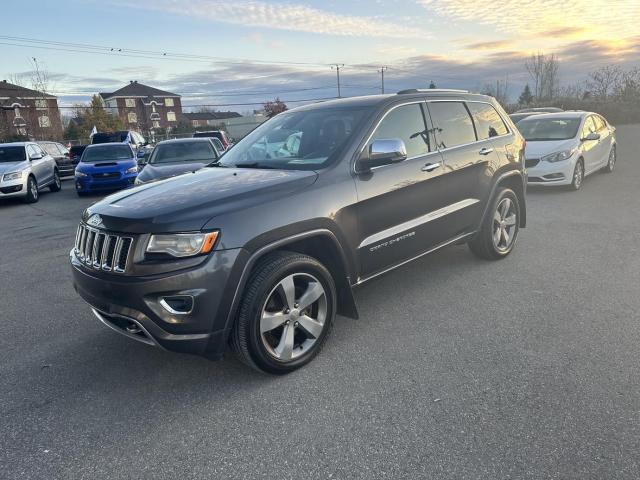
(35,157)
(383,152)
(141,153)
(591,137)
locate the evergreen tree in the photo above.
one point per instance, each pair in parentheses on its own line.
(525,97)
(432,85)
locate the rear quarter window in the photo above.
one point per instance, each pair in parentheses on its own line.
(487,120)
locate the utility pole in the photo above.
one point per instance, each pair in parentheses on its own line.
(337,67)
(381,72)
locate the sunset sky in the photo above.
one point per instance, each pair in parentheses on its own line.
(285,47)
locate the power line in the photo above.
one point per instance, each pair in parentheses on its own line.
(137,53)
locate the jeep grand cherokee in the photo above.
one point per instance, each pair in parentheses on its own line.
(261,250)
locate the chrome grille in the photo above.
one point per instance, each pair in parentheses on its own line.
(102,250)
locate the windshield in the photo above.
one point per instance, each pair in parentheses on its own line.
(106,153)
(304,140)
(109,137)
(549,129)
(182,152)
(12,154)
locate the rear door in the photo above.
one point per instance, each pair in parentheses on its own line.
(469,164)
(396,202)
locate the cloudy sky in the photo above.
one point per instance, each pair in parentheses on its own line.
(227,53)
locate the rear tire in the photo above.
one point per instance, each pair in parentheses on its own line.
(56,186)
(286,313)
(32,191)
(499,231)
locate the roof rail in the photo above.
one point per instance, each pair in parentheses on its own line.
(431,90)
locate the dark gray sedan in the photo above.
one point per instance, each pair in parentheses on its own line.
(175,157)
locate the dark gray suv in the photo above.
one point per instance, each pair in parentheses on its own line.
(261,250)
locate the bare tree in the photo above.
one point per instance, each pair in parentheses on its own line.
(603,82)
(544,71)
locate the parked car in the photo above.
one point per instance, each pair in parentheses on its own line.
(137,141)
(175,157)
(517,117)
(60,154)
(262,252)
(106,166)
(563,148)
(219,134)
(75,152)
(25,169)
(540,110)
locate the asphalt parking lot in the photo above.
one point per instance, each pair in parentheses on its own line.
(458,368)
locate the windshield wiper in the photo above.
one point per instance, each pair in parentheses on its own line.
(254,165)
(217,164)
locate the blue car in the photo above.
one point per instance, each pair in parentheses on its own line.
(106,166)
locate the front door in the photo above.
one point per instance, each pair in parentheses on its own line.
(590,148)
(39,166)
(398,204)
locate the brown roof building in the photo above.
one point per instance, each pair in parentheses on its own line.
(28,113)
(144,108)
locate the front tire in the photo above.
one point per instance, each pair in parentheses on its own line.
(56,186)
(32,191)
(578,176)
(499,231)
(286,313)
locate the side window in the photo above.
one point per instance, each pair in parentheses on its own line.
(407,124)
(452,124)
(600,123)
(488,122)
(31,152)
(588,127)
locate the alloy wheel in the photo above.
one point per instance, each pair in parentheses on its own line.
(293,317)
(578,176)
(612,159)
(505,221)
(33,188)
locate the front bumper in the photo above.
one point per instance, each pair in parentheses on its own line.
(133,305)
(13,188)
(551,173)
(88,184)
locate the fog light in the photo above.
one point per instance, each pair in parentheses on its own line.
(177,304)
(554,176)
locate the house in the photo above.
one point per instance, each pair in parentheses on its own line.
(209,119)
(144,108)
(28,113)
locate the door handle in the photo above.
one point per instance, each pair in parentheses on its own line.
(430,167)
(485,151)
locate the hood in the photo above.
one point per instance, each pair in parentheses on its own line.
(187,202)
(106,164)
(8,167)
(540,149)
(166,170)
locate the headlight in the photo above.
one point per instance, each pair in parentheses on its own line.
(12,176)
(558,156)
(132,170)
(81,174)
(182,244)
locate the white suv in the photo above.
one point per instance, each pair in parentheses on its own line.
(25,169)
(563,148)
